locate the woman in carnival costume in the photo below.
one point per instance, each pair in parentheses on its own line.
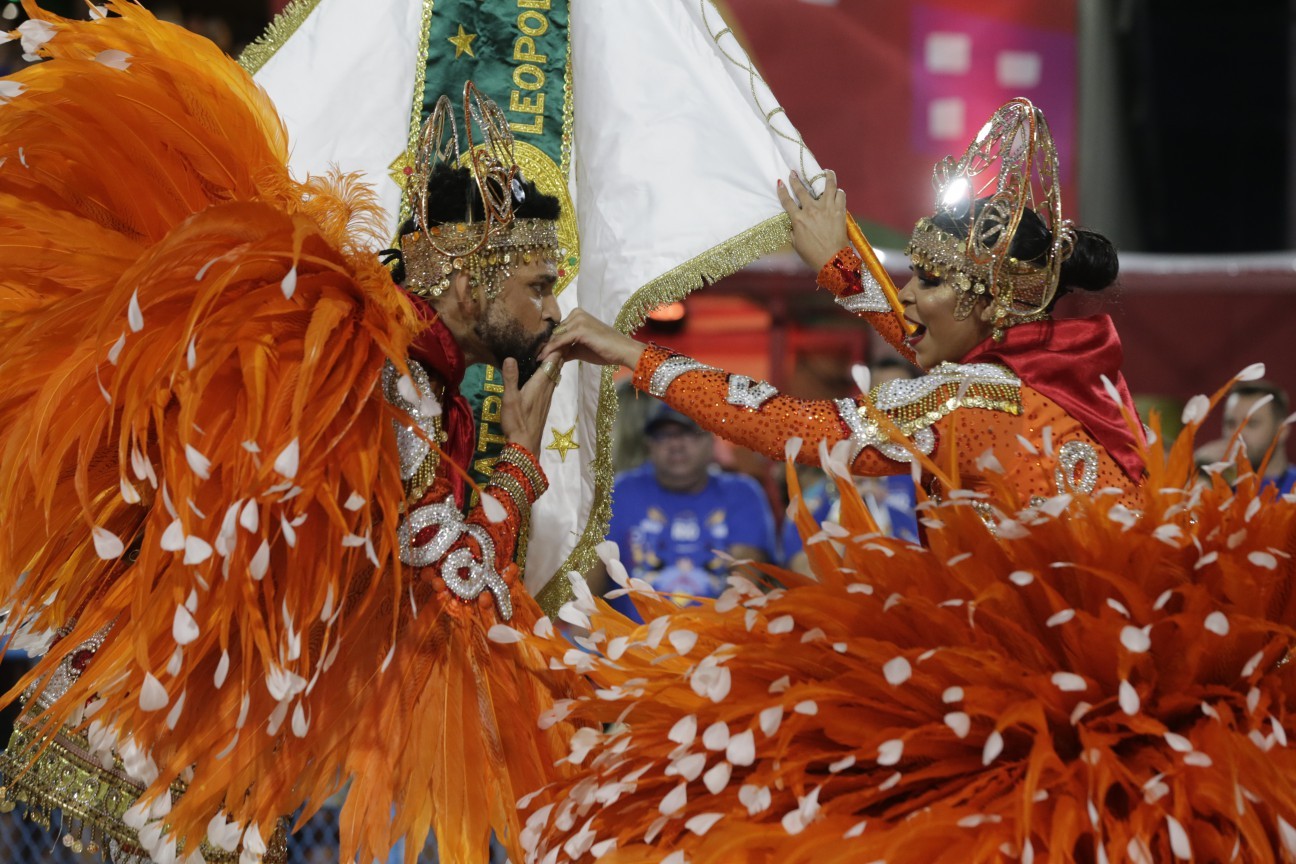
(1084,661)
(231,450)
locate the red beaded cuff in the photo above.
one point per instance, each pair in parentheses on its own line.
(525,464)
(841,275)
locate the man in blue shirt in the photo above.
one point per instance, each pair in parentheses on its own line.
(672,515)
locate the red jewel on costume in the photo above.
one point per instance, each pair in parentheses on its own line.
(80,660)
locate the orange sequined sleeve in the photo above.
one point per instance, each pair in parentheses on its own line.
(858,292)
(755,415)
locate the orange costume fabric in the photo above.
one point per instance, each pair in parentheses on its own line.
(1058,673)
(226,501)
(978,412)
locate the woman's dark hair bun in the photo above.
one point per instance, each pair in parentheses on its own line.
(1093,264)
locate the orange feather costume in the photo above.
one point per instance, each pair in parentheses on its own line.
(203,487)
(1072,681)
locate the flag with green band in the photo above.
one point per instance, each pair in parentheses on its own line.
(646,118)
(517,54)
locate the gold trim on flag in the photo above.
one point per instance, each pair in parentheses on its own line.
(258,52)
(416,111)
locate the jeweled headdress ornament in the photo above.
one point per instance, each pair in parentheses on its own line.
(1011,167)
(489,247)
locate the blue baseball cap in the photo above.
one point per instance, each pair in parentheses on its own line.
(661,414)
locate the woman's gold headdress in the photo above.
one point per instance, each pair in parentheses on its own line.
(487,248)
(1011,167)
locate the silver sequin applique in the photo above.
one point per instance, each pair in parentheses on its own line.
(745,394)
(871,299)
(451,527)
(1076,455)
(866,432)
(670,369)
(413,447)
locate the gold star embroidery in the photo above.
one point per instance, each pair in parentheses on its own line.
(563,442)
(401,169)
(463,43)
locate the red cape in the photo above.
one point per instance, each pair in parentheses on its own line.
(1066,361)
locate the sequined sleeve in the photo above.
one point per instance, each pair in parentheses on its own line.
(858,292)
(755,415)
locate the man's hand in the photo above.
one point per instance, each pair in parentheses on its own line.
(583,337)
(523,416)
(818,224)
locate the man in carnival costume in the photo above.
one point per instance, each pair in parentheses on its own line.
(234,459)
(1087,658)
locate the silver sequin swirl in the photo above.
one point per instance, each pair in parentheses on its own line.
(451,527)
(670,369)
(1073,455)
(481,573)
(865,432)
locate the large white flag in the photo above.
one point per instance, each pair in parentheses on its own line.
(675,149)
(342,74)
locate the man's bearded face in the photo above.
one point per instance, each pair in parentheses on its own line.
(519,320)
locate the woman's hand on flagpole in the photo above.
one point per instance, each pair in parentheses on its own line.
(818,224)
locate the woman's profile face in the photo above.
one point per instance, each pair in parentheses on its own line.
(938,336)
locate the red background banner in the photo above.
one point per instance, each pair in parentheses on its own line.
(882,89)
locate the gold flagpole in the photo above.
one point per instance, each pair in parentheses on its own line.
(874,266)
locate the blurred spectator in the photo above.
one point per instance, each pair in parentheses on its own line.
(891,500)
(671,516)
(1262,426)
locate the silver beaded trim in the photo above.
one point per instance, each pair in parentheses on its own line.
(413,447)
(451,527)
(64,676)
(1073,455)
(902,392)
(871,299)
(865,432)
(670,369)
(743,393)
